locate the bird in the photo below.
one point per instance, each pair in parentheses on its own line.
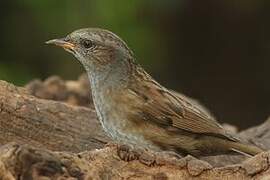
(136,110)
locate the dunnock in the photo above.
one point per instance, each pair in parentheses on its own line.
(135,109)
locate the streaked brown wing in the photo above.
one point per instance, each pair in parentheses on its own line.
(165,108)
(195,103)
(193,117)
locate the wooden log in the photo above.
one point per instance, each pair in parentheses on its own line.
(49,126)
(27,163)
(45,123)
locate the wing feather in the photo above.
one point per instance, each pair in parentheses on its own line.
(169,109)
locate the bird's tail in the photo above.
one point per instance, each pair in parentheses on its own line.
(246,149)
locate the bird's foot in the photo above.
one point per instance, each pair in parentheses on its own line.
(146,157)
(127,153)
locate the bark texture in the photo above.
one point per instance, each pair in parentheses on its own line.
(45,123)
(55,134)
(26,162)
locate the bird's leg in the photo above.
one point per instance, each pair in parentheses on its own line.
(147,157)
(128,153)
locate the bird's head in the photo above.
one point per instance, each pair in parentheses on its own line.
(97,49)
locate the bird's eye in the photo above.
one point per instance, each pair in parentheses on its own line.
(87,44)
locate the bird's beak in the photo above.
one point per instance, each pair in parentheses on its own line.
(62,43)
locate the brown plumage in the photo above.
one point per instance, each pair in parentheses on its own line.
(135,109)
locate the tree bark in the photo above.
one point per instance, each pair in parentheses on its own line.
(57,140)
(26,162)
(46,123)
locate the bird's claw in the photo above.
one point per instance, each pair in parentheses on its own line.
(126,153)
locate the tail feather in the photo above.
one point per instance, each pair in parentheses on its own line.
(245,149)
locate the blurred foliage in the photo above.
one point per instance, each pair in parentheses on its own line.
(216,51)
(32,22)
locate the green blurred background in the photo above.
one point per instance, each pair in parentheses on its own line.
(215,51)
